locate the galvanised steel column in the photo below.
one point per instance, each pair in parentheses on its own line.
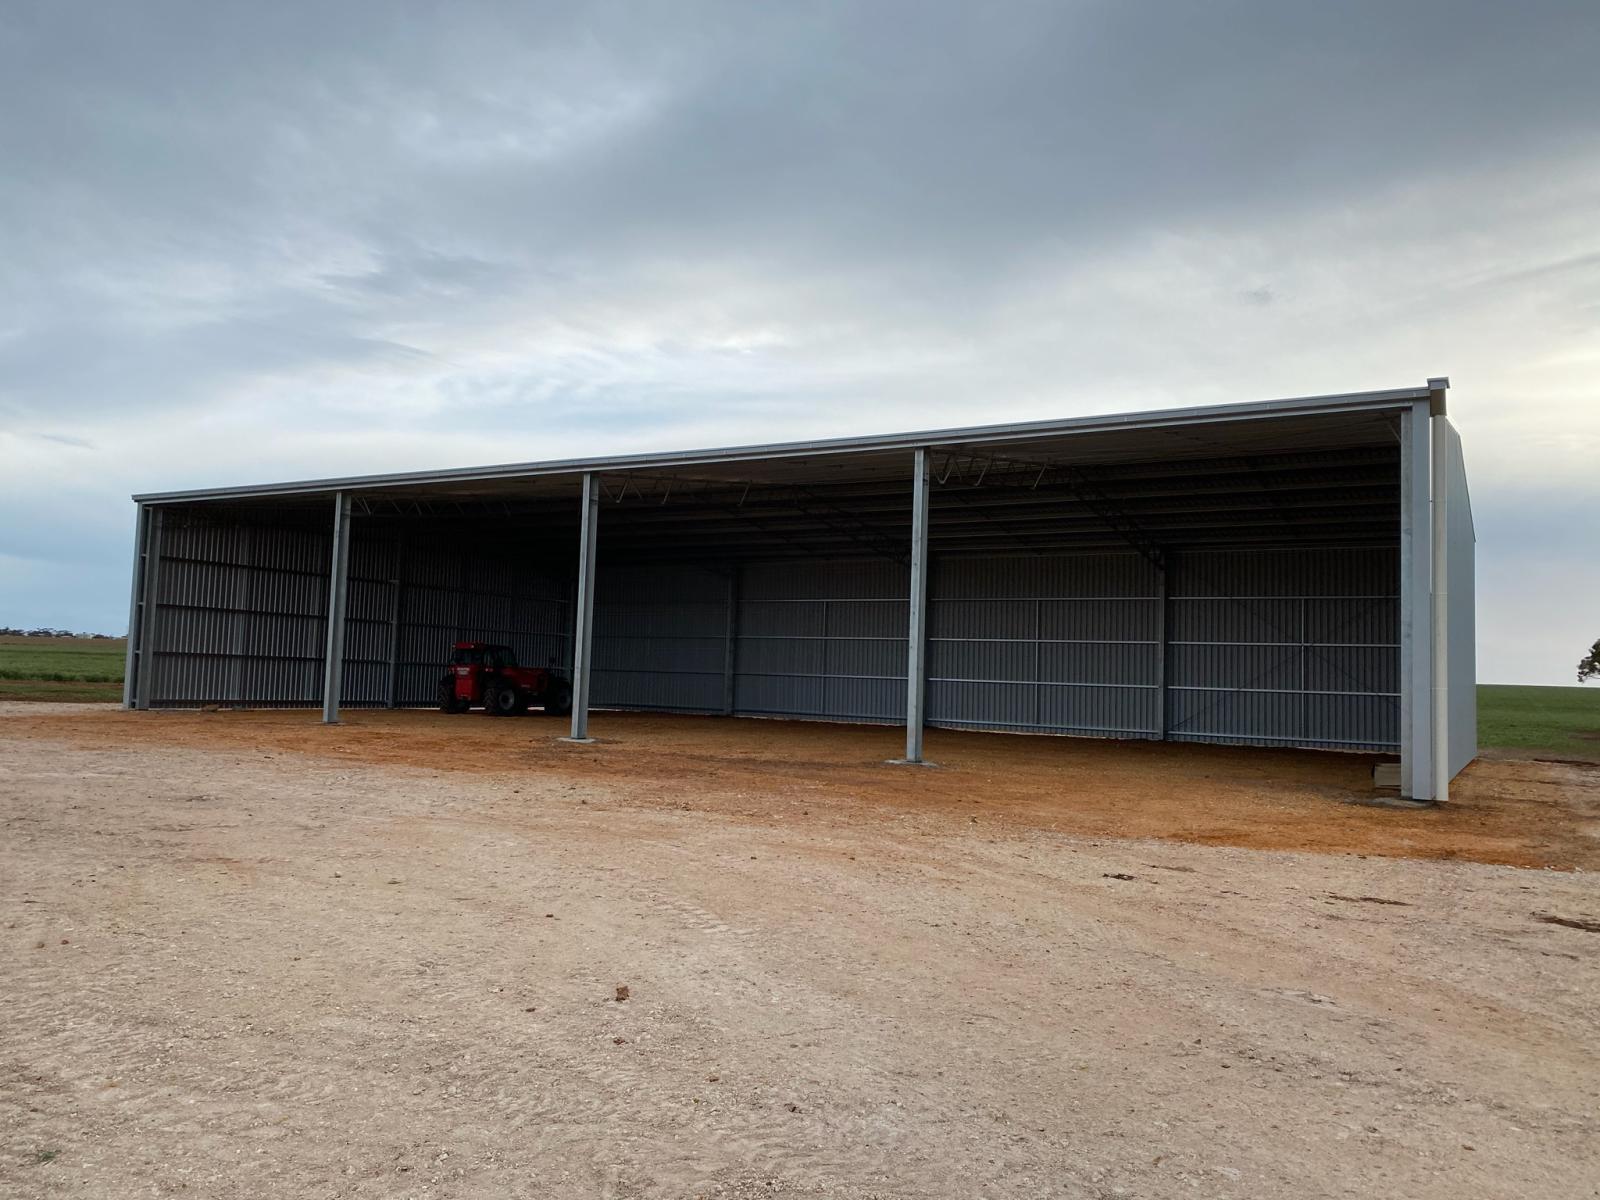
(1163,640)
(583,618)
(730,650)
(148,623)
(338,593)
(1416,616)
(392,681)
(917,633)
(1439,430)
(141,533)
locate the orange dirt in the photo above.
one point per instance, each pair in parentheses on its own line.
(1515,812)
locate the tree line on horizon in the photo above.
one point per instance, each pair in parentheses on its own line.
(45,631)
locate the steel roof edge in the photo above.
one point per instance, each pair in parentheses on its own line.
(1153,419)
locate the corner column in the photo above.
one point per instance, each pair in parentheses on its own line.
(583,618)
(1438,430)
(917,632)
(1416,611)
(338,593)
(136,679)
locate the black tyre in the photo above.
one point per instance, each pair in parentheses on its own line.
(503,701)
(557,698)
(447,696)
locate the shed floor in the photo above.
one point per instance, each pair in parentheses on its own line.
(1516,812)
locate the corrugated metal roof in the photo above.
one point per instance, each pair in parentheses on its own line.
(1305,423)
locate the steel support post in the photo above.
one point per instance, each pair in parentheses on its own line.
(391,689)
(1439,428)
(917,631)
(730,651)
(583,618)
(1163,640)
(130,668)
(149,623)
(1416,613)
(338,593)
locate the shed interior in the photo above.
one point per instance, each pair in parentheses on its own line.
(1233,581)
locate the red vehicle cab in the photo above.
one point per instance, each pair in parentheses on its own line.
(485,674)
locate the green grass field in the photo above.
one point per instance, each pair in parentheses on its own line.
(1563,721)
(61,668)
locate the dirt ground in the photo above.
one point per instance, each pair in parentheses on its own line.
(247,955)
(1519,812)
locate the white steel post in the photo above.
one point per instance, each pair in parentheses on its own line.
(730,651)
(917,633)
(150,590)
(583,628)
(1439,428)
(1416,610)
(338,592)
(141,534)
(391,689)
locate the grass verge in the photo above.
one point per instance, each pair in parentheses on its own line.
(1562,721)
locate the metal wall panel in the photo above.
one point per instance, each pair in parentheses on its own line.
(660,638)
(241,614)
(1462,650)
(1285,647)
(822,639)
(438,593)
(1046,643)
(1264,647)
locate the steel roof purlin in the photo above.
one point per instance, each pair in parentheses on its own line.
(1168,419)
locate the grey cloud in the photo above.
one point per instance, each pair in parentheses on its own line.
(299,227)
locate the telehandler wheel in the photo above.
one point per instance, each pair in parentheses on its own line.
(447,696)
(557,698)
(503,701)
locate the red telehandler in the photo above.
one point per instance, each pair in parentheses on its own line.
(488,675)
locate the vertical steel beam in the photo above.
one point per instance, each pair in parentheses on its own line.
(730,651)
(338,594)
(917,632)
(1439,431)
(1163,641)
(130,669)
(392,683)
(583,618)
(149,615)
(1416,617)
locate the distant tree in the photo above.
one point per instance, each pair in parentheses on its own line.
(1589,664)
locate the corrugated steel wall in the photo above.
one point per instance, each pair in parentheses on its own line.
(1285,647)
(438,594)
(1263,647)
(1060,644)
(822,639)
(660,638)
(241,614)
(1463,652)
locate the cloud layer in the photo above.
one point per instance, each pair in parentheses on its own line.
(267,241)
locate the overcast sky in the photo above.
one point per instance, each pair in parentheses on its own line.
(245,242)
